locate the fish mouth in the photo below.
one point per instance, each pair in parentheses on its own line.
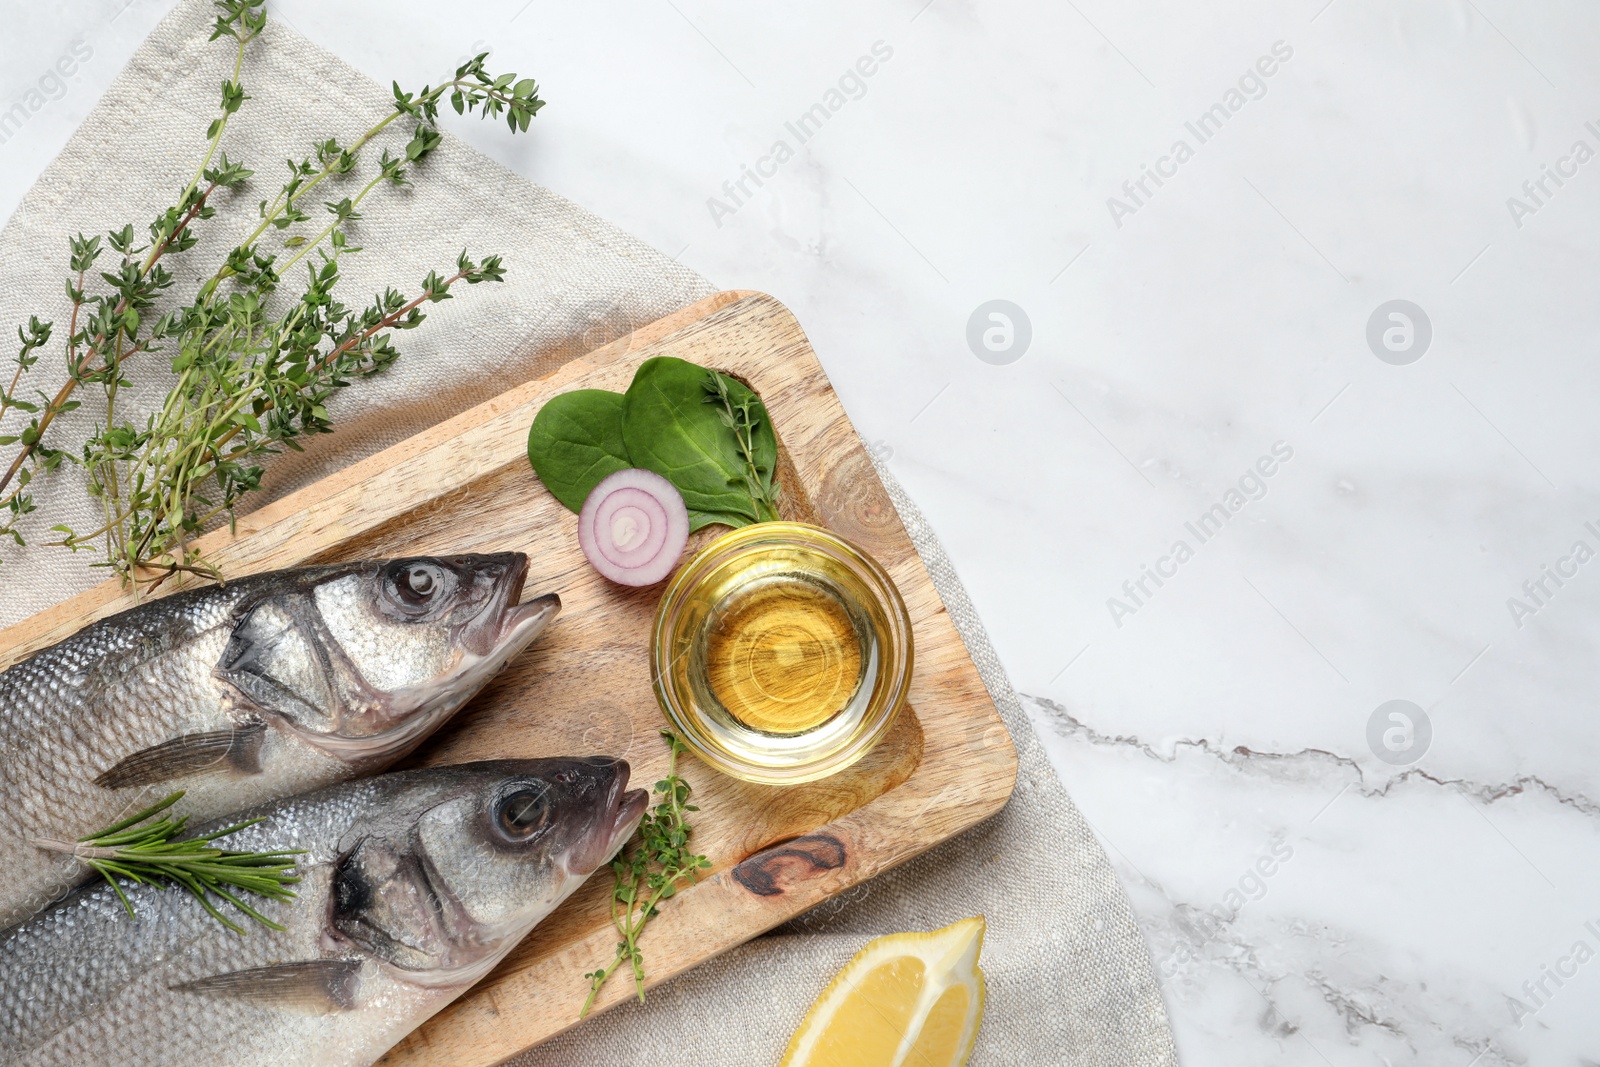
(521,623)
(504,627)
(624,809)
(492,639)
(501,617)
(517,626)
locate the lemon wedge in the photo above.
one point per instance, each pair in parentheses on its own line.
(905,1000)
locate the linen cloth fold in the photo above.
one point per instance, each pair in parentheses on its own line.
(1070,980)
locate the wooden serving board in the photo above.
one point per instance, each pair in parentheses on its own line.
(584,688)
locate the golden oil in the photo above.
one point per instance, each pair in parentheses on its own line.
(781,652)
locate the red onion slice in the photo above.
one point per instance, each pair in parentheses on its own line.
(633,527)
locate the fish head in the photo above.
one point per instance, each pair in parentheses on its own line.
(463,864)
(415,621)
(364,660)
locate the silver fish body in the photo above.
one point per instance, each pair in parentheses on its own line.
(268,686)
(415,884)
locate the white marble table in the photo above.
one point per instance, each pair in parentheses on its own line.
(1310,895)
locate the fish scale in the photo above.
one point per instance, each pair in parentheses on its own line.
(77,695)
(290,710)
(85,983)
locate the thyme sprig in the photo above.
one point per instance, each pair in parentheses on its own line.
(740,416)
(251,370)
(650,871)
(155,853)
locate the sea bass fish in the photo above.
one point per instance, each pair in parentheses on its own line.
(265,687)
(414,885)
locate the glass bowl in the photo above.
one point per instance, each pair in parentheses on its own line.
(781,653)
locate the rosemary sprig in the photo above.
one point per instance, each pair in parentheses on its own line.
(740,417)
(155,854)
(251,372)
(651,871)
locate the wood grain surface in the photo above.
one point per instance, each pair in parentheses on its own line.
(584,688)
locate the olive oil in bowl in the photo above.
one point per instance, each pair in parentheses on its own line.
(781,653)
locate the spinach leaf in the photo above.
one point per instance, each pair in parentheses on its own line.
(707,434)
(575,441)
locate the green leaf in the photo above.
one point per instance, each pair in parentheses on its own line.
(153,854)
(699,518)
(669,428)
(576,441)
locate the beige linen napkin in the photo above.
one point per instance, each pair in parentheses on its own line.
(1070,980)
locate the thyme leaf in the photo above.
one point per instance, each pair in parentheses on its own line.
(650,871)
(258,352)
(742,414)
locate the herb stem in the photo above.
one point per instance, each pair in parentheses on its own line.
(245,36)
(148,850)
(651,872)
(290,199)
(332,226)
(34,340)
(78,373)
(389,320)
(246,381)
(382,324)
(72,325)
(742,420)
(338,163)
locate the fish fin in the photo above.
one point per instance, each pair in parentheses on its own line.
(238,749)
(315,987)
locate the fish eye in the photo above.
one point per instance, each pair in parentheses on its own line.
(523,814)
(419,581)
(417,589)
